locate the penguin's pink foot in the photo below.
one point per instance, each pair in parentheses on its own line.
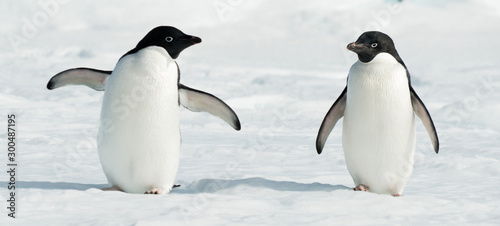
(154,191)
(361,187)
(114,188)
(397,195)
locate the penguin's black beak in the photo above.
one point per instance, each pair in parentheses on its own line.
(193,39)
(355,47)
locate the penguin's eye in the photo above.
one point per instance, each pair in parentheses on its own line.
(169,39)
(374,45)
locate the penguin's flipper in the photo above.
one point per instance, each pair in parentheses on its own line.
(196,100)
(423,114)
(93,78)
(334,114)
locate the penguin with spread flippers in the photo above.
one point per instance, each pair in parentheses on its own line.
(139,136)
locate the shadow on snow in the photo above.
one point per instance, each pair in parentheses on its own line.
(216,185)
(56,185)
(201,186)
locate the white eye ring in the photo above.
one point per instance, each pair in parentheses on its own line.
(374,45)
(169,39)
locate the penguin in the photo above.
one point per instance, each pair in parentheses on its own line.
(139,133)
(378,106)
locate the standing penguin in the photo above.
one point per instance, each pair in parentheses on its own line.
(139,137)
(378,106)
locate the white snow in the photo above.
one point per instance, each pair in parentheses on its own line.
(280,65)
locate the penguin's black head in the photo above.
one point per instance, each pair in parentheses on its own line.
(371,43)
(170,38)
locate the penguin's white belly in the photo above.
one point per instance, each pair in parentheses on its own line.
(379,125)
(139,135)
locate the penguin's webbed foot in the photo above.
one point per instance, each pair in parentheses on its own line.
(361,187)
(154,191)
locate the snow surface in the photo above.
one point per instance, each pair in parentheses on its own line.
(280,65)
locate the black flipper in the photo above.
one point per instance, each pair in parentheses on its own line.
(196,100)
(93,78)
(334,114)
(421,111)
